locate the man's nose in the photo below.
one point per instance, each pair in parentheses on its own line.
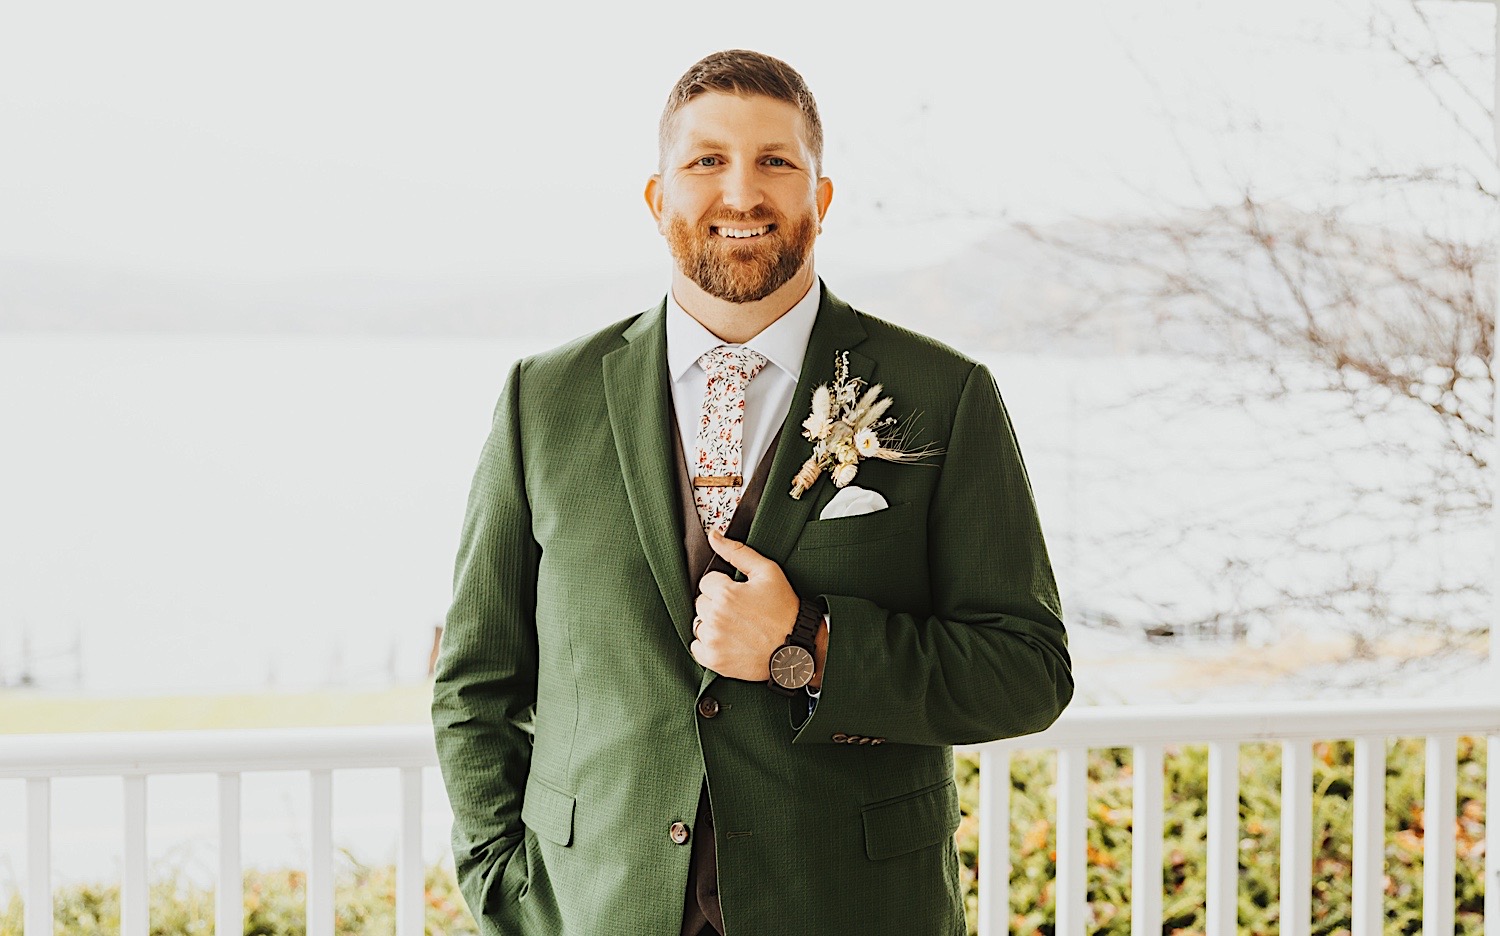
(742,190)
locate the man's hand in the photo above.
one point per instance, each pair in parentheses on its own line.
(740,624)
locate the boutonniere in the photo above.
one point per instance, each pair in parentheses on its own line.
(848,423)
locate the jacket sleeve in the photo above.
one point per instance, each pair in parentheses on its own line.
(485,683)
(992,661)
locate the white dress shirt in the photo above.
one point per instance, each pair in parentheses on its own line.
(783,344)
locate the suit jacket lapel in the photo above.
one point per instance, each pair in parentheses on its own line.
(779,520)
(637,391)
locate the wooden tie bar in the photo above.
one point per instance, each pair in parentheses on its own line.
(718,480)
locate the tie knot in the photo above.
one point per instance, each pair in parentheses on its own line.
(740,362)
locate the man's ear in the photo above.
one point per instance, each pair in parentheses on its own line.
(825,196)
(653,198)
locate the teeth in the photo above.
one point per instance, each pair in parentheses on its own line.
(742,232)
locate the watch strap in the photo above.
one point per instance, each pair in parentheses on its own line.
(805,629)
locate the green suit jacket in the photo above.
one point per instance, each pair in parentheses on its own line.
(565,702)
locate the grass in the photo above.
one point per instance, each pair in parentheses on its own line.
(26,712)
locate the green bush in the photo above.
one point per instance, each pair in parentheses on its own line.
(365,896)
(275,904)
(1185,852)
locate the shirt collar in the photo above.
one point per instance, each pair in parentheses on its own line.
(783,342)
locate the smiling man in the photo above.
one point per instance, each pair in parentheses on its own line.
(736,573)
(740,227)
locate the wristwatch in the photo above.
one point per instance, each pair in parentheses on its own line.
(793,663)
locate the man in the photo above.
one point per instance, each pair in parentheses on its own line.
(633,743)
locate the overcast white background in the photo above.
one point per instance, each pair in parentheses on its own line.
(475,141)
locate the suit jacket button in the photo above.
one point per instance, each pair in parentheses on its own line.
(840,738)
(679,832)
(708,706)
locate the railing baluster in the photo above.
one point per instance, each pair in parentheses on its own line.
(1369,836)
(1145,840)
(1440,792)
(1492,835)
(1072,840)
(320,868)
(410,874)
(229,895)
(1223,837)
(1296,838)
(994,842)
(38,915)
(135,911)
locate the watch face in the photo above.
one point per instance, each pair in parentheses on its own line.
(792,667)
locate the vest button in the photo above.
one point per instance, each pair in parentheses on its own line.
(679,832)
(708,706)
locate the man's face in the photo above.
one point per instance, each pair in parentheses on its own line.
(738,198)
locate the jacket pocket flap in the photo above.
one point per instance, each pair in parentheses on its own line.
(547,812)
(911,821)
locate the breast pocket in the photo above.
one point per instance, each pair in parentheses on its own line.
(892,521)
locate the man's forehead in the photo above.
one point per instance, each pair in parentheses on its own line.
(718,120)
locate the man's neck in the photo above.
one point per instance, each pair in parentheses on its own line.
(738,322)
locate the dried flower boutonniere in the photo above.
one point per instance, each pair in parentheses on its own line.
(846,425)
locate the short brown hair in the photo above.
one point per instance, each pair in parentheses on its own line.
(743,72)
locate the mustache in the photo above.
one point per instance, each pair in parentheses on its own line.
(750,218)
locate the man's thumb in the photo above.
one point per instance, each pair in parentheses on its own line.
(737,553)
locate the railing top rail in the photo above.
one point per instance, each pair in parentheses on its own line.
(215,751)
(249,750)
(1127,725)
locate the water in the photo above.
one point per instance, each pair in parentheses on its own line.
(231,513)
(226,513)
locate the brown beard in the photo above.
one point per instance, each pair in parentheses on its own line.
(741,272)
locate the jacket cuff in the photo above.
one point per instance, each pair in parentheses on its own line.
(810,690)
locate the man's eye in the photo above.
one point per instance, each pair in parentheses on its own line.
(707,160)
(778,161)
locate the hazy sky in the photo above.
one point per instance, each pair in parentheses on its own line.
(483,141)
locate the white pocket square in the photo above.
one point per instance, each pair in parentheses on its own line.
(852,500)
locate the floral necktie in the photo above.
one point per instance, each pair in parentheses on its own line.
(718,474)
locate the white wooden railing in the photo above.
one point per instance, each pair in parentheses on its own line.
(135,756)
(1223,728)
(229,754)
